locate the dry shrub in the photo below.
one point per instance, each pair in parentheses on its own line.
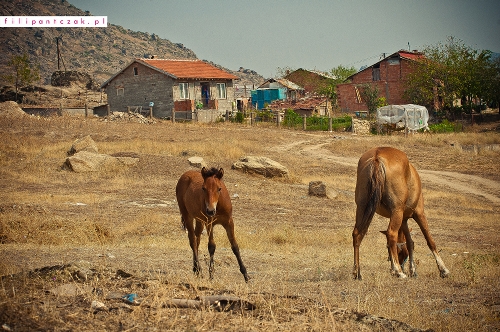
(35,225)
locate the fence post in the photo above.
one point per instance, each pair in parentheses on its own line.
(406,123)
(173,116)
(330,120)
(86,110)
(150,112)
(128,109)
(304,123)
(108,110)
(251,118)
(227,115)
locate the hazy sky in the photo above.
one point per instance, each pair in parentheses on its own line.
(312,34)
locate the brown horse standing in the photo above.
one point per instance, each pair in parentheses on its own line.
(389,185)
(203,197)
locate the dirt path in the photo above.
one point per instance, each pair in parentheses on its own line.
(469,184)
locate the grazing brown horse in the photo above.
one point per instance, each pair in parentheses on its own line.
(204,199)
(389,185)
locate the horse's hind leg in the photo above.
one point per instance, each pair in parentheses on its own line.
(395,224)
(410,246)
(358,234)
(421,219)
(236,250)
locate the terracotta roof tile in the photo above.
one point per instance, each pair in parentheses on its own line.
(195,69)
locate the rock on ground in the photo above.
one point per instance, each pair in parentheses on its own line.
(11,109)
(260,165)
(85,161)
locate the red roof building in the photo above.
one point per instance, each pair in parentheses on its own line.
(388,75)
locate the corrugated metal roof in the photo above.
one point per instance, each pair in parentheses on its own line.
(289,84)
(195,69)
(283,82)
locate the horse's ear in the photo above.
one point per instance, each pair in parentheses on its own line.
(220,173)
(203,171)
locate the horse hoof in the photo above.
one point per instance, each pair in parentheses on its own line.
(445,273)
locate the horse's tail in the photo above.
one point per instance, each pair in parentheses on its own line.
(376,183)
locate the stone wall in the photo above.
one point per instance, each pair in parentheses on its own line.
(361,127)
(147,86)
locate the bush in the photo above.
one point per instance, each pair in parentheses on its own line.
(239,117)
(292,119)
(446,127)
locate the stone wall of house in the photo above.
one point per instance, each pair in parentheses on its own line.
(128,89)
(142,85)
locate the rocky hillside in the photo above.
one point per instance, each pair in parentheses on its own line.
(97,52)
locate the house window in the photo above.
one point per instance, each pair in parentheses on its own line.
(136,72)
(376,72)
(120,91)
(394,61)
(183,91)
(221,90)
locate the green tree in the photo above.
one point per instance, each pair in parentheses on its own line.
(339,74)
(342,73)
(452,71)
(370,95)
(24,72)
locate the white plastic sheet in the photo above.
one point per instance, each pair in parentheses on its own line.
(413,117)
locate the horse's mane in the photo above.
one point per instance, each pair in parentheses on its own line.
(211,172)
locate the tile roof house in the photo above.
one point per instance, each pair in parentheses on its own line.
(309,106)
(170,85)
(388,75)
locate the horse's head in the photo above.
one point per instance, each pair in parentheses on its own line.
(401,246)
(212,187)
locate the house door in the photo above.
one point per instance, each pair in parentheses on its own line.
(205,94)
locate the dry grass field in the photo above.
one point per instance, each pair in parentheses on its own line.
(68,239)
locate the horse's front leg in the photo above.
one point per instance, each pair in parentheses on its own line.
(236,250)
(194,241)
(211,249)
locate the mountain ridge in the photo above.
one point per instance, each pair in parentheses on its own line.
(98,52)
